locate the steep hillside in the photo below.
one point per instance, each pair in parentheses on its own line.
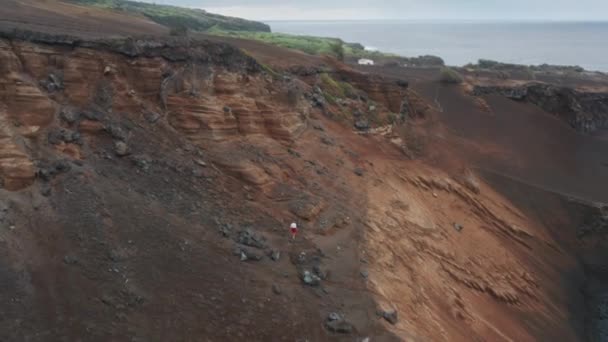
(147,186)
(178,17)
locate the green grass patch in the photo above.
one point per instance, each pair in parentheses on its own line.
(309,44)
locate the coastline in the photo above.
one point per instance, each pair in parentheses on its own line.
(463,42)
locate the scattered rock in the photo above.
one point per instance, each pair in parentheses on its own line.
(247,255)
(117,131)
(107,70)
(334,316)
(365,274)
(225,229)
(276,289)
(120,148)
(327,141)
(471,182)
(200,162)
(248,238)
(402,83)
(306,207)
(362,124)
(359,172)
(337,324)
(70,260)
(69,115)
(294,153)
(45,190)
(197,172)
(46,173)
(53,83)
(275,255)
(310,279)
(59,135)
(151,117)
(390,316)
(118,255)
(142,162)
(227,110)
(458,227)
(93,115)
(318,126)
(316,269)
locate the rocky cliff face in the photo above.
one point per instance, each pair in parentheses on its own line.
(208,92)
(585,111)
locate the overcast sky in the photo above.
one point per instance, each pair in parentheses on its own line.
(403,9)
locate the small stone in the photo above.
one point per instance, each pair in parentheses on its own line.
(390,316)
(121,149)
(319,272)
(340,326)
(107,70)
(151,117)
(198,173)
(70,260)
(276,289)
(310,279)
(275,255)
(69,115)
(362,124)
(334,316)
(200,162)
(45,190)
(327,141)
(458,227)
(435,194)
(225,230)
(246,255)
(249,238)
(365,274)
(359,172)
(318,126)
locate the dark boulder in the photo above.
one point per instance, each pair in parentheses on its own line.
(362,124)
(337,324)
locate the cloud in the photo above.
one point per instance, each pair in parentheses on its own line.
(403,9)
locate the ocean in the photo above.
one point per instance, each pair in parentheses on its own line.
(458,43)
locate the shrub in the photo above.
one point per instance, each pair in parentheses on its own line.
(337,49)
(450,76)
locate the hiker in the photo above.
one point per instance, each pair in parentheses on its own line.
(294,230)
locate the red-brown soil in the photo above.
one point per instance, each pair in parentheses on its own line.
(473,217)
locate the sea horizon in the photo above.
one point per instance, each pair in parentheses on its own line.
(460,42)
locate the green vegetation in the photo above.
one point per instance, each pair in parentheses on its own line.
(450,76)
(181,20)
(487,64)
(311,45)
(177,17)
(337,89)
